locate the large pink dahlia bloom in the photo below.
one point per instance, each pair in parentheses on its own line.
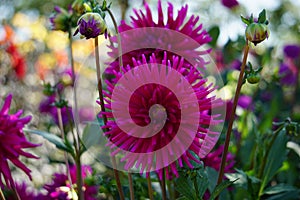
(160,108)
(12,142)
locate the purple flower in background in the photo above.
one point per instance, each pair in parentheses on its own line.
(60,20)
(230,3)
(47,106)
(60,188)
(213,159)
(292,51)
(244,101)
(12,142)
(86,114)
(25,192)
(236,64)
(288,74)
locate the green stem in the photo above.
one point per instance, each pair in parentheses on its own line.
(101,98)
(61,127)
(232,115)
(163,186)
(196,188)
(77,140)
(1,195)
(131,190)
(119,39)
(150,191)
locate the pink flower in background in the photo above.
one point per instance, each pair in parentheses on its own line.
(230,3)
(213,159)
(12,142)
(61,188)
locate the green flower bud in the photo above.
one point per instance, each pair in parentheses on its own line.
(253,78)
(78,7)
(61,19)
(90,25)
(257,32)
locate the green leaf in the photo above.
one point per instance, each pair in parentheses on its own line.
(92,134)
(201,182)
(185,187)
(214,33)
(245,20)
(279,188)
(54,139)
(262,16)
(220,188)
(212,178)
(275,158)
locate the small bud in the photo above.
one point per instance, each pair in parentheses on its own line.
(253,78)
(78,7)
(257,32)
(90,25)
(60,19)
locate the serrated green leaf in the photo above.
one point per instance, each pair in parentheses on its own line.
(54,139)
(245,20)
(185,187)
(220,188)
(262,16)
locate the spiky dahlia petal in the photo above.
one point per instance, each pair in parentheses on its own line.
(12,141)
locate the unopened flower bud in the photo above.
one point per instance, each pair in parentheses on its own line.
(253,78)
(257,32)
(78,7)
(90,25)
(60,20)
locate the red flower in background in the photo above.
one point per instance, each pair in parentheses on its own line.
(18,62)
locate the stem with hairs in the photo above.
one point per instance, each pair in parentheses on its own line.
(232,114)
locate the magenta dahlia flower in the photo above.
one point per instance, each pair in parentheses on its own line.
(181,122)
(145,36)
(158,103)
(12,142)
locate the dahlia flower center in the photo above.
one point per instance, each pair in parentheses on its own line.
(158,105)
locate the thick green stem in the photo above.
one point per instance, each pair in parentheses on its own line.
(150,191)
(100,92)
(232,115)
